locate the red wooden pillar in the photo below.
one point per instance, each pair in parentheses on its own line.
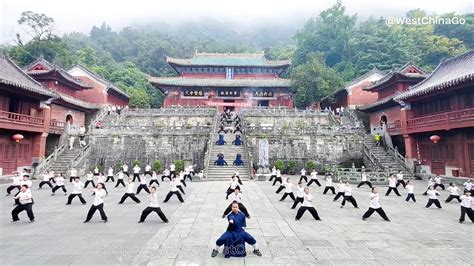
(39,140)
(410,142)
(410,147)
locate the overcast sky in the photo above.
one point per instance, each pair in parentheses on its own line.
(81,15)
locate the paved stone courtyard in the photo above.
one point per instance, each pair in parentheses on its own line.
(415,236)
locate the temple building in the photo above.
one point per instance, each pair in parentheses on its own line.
(384,113)
(353,95)
(229,81)
(44,103)
(66,110)
(103,92)
(24,110)
(437,118)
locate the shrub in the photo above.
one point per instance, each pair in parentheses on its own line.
(100,167)
(157,165)
(118,166)
(280,164)
(136,162)
(310,165)
(292,166)
(179,165)
(319,168)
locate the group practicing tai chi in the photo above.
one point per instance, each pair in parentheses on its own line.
(136,180)
(97,180)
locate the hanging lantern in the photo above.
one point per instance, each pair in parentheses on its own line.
(435,138)
(17,137)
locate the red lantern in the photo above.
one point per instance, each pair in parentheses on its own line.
(435,138)
(17,137)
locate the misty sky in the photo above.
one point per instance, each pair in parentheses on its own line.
(81,15)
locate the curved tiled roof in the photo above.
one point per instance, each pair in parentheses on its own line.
(196,82)
(76,102)
(357,80)
(400,73)
(221,59)
(447,74)
(11,74)
(102,80)
(52,68)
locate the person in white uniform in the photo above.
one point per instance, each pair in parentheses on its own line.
(466,207)
(410,192)
(288,190)
(77,187)
(340,190)
(89,179)
(154,179)
(174,190)
(374,206)
(439,182)
(110,175)
(98,204)
(348,196)
(392,186)
(153,206)
(73,174)
(313,178)
(307,205)
(400,180)
(299,195)
(25,200)
(329,185)
(125,170)
(303,175)
(364,180)
(136,172)
(147,170)
(46,180)
(59,180)
(129,192)
(453,193)
(236,197)
(142,185)
(166,174)
(120,180)
(433,198)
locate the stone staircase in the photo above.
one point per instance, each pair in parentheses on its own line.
(63,161)
(230,151)
(386,160)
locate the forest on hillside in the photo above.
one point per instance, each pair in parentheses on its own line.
(328,50)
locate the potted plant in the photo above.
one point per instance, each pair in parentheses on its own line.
(280,165)
(292,167)
(179,165)
(157,166)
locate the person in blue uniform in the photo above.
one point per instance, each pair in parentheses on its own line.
(238,160)
(237,141)
(235,237)
(221,140)
(220,160)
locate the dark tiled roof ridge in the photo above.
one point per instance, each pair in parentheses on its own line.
(101,79)
(458,63)
(35,86)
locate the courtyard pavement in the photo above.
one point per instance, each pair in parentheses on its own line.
(415,235)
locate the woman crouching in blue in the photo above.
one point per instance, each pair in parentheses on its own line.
(238,160)
(235,237)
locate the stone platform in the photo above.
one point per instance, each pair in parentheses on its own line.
(415,236)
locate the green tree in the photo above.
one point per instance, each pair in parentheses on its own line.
(330,33)
(313,80)
(139,99)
